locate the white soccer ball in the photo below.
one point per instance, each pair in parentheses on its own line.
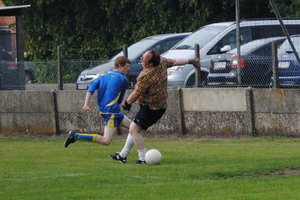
(153,157)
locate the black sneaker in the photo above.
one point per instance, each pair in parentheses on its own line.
(70,139)
(140,162)
(117,157)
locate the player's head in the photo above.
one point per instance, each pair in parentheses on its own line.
(150,58)
(121,61)
(122,64)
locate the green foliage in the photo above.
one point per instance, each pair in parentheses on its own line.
(93,29)
(291,8)
(41,168)
(72,68)
(47,72)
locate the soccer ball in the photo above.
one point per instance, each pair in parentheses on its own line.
(153,157)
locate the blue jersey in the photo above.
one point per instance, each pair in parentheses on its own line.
(111,89)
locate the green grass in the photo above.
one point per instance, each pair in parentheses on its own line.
(41,168)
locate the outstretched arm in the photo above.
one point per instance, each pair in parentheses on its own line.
(183,61)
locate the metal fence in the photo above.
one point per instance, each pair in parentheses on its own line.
(256,69)
(259,65)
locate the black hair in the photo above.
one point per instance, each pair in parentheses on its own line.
(155,59)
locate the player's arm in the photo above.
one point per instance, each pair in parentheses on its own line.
(92,88)
(130,100)
(183,61)
(86,107)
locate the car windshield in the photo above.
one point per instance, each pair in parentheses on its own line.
(201,37)
(248,47)
(135,50)
(286,47)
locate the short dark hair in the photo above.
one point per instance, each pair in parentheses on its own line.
(121,60)
(155,59)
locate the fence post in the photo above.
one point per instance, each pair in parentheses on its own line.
(125,50)
(238,41)
(182,126)
(20,53)
(125,53)
(275,65)
(59,68)
(55,110)
(197,69)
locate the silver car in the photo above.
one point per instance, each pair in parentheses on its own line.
(161,43)
(215,39)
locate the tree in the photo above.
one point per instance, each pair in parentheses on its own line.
(289,8)
(97,29)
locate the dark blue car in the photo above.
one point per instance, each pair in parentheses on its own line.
(161,43)
(288,66)
(255,65)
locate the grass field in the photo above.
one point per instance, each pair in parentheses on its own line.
(259,168)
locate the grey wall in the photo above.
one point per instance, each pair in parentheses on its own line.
(277,112)
(198,112)
(22,111)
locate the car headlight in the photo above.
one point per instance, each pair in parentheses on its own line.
(174,69)
(284,64)
(88,77)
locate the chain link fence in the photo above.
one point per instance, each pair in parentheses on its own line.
(255,69)
(261,62)
(46,72)
(256,65)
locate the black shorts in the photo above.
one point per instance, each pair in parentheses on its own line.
(147,117)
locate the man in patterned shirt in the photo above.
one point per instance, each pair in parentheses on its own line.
(151,94)
(111,89)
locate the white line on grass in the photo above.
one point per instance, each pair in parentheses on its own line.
(49,177)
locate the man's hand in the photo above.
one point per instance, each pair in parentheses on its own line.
(86,108)
(195,62)
(126,106)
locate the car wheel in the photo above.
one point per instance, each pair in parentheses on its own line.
(191,82)
(267,80)
(28,77)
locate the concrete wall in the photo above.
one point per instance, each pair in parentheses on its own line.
(198,112)
(22,111)
(217,112)
(71,116)
(277,112)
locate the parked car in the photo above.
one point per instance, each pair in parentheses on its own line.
(160,43)
(213,38)
(288,66)
(8,68)
(9,73)
(255,65)
(30,72)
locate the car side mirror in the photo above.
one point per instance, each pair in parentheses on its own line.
(225,48)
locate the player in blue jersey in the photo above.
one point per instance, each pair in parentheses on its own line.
(111,89)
